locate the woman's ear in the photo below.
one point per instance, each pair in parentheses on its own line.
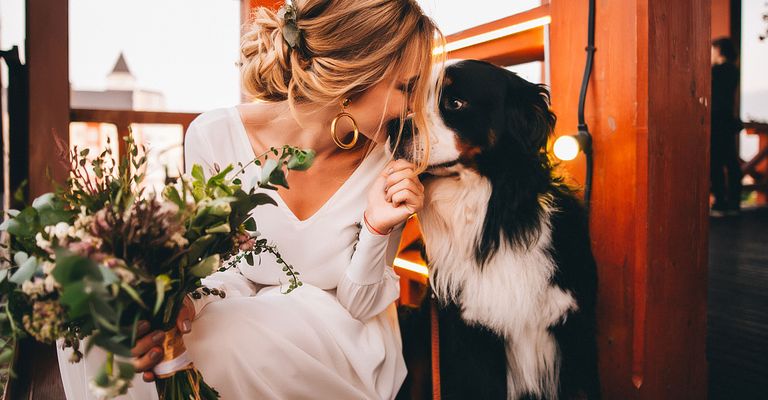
(528,114)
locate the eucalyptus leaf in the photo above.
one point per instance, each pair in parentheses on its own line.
(108,276)
(266,171)
(171,193)
(222,228)
(20,257)
(74,297)
(25,224)
(278,178)
(197,173)
(72,268)
(44,200)
(205,267)
(106,342)
(250,225)
(302,160)
(26,270)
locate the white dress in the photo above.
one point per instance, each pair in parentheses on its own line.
(336,337)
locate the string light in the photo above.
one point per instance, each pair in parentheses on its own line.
(566,147)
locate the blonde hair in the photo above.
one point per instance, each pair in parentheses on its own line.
(345,47)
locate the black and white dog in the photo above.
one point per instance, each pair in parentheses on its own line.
(508,248)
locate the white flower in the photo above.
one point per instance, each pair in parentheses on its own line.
(48,267)
(34,288)
(41,242)
(50,284)
(61,230)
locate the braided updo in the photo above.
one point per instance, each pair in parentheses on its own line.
(344,48)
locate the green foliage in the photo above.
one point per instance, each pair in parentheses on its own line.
(110,256)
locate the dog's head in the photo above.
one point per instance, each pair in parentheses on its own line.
(493,123)
(488,119)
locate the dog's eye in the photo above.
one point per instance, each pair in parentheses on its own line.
(455,104)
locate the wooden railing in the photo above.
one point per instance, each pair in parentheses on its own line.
(123,119)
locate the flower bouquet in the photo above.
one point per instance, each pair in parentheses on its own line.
(99,255)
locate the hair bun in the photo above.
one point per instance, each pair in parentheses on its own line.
(265,57)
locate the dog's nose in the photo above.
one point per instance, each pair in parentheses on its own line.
(393,129)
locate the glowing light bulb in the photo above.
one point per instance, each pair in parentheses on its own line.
(566,147)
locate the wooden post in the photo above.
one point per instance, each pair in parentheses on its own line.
(48,62)
(647,108)
(48,65)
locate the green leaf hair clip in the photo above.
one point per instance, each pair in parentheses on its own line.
(290,29)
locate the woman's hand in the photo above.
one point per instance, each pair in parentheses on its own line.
(395,195)
(148,350)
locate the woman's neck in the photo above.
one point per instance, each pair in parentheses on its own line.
(273,125)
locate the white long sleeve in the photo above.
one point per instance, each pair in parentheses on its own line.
(197,150)
(370,283)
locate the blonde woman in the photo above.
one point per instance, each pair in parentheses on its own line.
(337,336)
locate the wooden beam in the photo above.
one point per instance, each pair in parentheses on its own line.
(518,48)
(519,18)
(646,108)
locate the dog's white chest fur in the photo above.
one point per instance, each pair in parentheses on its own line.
(512,294)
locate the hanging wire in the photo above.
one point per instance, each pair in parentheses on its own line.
(584,137)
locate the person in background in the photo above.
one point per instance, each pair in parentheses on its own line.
(725,168)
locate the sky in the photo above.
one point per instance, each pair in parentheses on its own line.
(187,49)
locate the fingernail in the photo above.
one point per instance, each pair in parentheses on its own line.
(155,355)
(158,337)
(186,326)
(142,325)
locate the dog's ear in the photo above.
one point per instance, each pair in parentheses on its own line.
(527,110)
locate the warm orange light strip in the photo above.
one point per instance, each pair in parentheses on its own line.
(493,35)
(411,266)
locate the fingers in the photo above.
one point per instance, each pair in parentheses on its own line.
(186,314)
(411,200)
(148,360)
(401,175)
(147,349)
(142,328)
(147,342)
(148,376)
(397,165)
(413,186)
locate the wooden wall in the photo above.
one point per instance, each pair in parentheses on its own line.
(647,110)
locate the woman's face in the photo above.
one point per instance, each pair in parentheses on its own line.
(383,102)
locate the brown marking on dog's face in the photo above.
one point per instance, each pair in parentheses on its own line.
(468,153)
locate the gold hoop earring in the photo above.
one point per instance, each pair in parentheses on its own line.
(340,115)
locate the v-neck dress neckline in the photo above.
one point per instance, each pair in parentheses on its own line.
(250,154)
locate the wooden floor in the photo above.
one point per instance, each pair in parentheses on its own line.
(738,306)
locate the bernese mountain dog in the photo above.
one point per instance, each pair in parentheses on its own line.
(507,245)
